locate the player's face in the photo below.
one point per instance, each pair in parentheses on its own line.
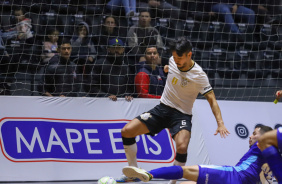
(65,50)
(183,62)
(255,136)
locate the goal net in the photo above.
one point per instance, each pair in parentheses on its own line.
(237,45)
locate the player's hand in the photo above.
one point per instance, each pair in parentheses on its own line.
(166,68)
(113,97)
(267,172)
(279,94)
(222,130)
(128,98)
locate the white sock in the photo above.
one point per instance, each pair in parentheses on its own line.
(176,163)
(130,152)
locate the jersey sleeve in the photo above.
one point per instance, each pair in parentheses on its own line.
(204,84)
(279,138)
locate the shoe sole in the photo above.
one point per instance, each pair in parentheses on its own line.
(133,172)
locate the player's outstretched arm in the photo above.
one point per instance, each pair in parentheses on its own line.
(268,139)
(221,129)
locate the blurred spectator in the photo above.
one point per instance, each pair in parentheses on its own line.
(60,73)
(83,49)
(111,75)
(161,8)
(19,43)
(4,70)
(150,79)
(22,31)
(141,35)
(110,29)
(128,5)
(2,45)
(227,10)
(261,10)
(50,46)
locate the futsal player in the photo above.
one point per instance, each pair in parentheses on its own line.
(246,171)
(185,80)
(271,147)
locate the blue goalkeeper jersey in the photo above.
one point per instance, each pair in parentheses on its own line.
(249,166)
(246,171)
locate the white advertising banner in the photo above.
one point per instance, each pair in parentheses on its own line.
(47,139)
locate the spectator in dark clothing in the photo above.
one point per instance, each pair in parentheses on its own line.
(150,79)
(111,75)
(19,42)
(109,30)
(22,30)
(141,35)
(83,49)
(60,74)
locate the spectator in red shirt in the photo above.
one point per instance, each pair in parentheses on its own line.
(150,79)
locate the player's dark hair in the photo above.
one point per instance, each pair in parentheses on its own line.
(181,45)
(263,128)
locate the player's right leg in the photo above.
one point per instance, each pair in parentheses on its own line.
(128,133)
(150,122)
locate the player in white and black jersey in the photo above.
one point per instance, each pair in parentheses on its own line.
(185,81)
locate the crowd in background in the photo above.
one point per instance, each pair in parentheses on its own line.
(114,48)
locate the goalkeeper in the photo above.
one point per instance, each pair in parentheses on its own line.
(246,171)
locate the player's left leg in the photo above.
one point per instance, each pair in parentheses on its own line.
(270,143)
(181,139)
(180,130)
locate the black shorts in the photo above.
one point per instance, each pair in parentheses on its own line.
(163,116)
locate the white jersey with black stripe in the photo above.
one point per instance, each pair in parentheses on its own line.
(182,88)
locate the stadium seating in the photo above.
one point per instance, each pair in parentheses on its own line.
(251,59)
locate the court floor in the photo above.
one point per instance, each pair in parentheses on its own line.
(86,182)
